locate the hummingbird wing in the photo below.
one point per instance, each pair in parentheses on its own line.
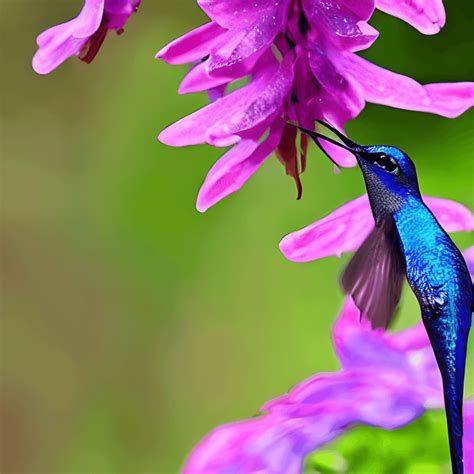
(374,276)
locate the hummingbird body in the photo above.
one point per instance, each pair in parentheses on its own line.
(409,242)
(439,277)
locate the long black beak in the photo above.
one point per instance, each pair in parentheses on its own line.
(347,144)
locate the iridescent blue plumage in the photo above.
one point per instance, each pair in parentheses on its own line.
(408,241)
(438,276)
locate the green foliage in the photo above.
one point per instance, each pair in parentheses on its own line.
(419,448)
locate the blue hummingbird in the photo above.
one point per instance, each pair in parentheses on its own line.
(408,241)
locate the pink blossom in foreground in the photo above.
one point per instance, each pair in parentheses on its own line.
(300,57)
(386,380)
(344,229)
(82,36)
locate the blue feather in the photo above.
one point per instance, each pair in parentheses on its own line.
(438,276)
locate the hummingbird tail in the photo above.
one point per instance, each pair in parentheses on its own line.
(453,406)
(451,358)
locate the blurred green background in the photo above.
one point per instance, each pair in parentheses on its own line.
(132,324)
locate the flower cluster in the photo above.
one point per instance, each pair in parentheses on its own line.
(300,57)
(386,380)
(82,36)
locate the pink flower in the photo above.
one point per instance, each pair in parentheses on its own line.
(386,380)
(344,229)
(300,56)
(83,35)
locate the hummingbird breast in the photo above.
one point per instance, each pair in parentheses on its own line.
(436,270)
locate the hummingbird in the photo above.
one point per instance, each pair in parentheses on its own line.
(408,241)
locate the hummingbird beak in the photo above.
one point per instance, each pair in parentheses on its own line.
(347,144)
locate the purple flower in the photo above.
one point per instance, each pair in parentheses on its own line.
(83,35)
(300,57)
(386,380)
(344,229)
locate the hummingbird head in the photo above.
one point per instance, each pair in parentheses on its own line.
(389,173)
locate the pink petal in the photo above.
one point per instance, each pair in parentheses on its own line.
(366,396)
(340,156)
(220,122)
(336,115)
(193,45)
(243,43)
(216,92)
(63,41)
(385,87)
(347,227)
(366,39)
(199,78)
(362,8)
(469,256)
(259,445)
(427,16)
(334,16)
(85,24)
(241,13)
(119,11)
(450,99)
(359,347)
(233,170)
(468,440)
(341,24)
(452,216)
(323,64)
(312,414)
(343,230)
(338,99)
(387,381)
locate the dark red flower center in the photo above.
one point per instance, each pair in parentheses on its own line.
(91,47)
(287,153)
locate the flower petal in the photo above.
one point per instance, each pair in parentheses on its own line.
(63,41)
(245,42)
(341,23)
(469,256)
(192,46)
(359,347)
(362,8)
(220,122)
(337,101)
(453,216)
(232,171)
(387,381)
(385,87)
(119,11)
(343,230)
(258,445)
(241,13)
(368,396)
(450,99)
(427,16)
(468,416)
(199,78)
(312,414)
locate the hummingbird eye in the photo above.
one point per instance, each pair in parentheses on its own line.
(387,163)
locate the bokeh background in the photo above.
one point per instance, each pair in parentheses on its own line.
(132,325)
